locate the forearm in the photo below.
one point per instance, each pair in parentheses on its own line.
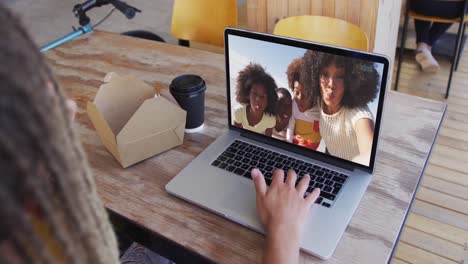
(364,129)
(283,211)
(281,248)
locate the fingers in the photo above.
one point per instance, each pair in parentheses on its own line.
(303,184)
(291,178)
(310,199)
(259,181)
(278,177)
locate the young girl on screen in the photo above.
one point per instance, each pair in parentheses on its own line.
(345,86)
(256,92)
(283,113)
(303,128)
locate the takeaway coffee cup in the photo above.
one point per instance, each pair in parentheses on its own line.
(189,92)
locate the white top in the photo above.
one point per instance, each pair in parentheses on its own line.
(240,116)
(310,115)
(338,132)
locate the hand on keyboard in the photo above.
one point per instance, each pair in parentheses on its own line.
(283,210)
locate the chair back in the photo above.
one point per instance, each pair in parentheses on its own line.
(203,20)
(323,29)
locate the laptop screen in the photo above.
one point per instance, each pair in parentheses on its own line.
(322,99)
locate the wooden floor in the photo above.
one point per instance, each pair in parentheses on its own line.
(437,227)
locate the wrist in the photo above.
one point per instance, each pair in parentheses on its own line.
(284,234)
(282,246)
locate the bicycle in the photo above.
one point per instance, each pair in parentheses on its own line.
(85,22)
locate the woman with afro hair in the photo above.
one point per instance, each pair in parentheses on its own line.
(256,92)
(344,88)
(303,127)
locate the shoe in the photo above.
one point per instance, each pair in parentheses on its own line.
(427,61)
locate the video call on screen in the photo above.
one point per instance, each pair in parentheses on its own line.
(320,101)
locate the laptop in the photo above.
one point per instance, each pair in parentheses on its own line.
(219,178)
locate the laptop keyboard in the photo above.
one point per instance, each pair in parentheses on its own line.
(241,157)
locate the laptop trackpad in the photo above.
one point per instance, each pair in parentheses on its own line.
(240,205)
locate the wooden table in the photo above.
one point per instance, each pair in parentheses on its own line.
(410,125)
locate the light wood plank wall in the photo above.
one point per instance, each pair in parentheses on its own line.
(378,18)
(262,15)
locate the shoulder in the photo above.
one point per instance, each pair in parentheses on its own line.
(313,112)
(240,108)
(239,112)
(356,113)
(269,120)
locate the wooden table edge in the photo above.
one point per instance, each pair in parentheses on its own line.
(162,246)
(413,195)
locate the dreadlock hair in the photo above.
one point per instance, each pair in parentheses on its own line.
(361,77)
(255,74)
(45,174)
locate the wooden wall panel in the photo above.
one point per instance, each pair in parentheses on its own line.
(354,14)
(328,8)
(316,7)
(276,10)
(362,13)
(341,9)
(299,7)
(368,19)
(257,15)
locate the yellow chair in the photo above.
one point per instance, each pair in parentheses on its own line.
(323,29)
(457,49)
(203,20)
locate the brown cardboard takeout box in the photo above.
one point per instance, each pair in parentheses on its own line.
(132,123)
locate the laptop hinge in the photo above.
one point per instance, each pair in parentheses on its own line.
(298,150)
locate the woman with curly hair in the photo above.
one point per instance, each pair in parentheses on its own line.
(344,87)
(303,127)
(256,92)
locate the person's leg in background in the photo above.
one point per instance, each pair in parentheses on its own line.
(437,30)
(425,38)
(427,33)
(422,30)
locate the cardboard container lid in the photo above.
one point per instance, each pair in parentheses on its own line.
(119,98)
(155,115)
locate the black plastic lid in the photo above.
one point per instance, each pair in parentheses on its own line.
(187,84)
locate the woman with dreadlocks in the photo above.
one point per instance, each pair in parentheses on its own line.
(50,209)
(46,189)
